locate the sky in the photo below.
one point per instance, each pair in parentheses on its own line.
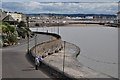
(61,0)
(83,6)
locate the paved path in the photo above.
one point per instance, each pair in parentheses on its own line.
(15,63)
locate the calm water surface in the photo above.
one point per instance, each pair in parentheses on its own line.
(99,46)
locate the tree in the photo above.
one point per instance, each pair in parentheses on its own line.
(8,33)
(22,24)
(23,30)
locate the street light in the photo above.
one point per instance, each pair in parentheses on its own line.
(58,25)
(35,42)
(118,15)
(36,39)
(64,58)
(27,19)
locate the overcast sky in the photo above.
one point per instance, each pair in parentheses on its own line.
(35,6)
(62,0)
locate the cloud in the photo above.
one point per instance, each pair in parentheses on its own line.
(62,0)
(12,6)
(31,5)
(38,7)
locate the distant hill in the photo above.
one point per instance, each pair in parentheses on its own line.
(71,15)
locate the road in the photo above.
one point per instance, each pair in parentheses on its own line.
(15,63)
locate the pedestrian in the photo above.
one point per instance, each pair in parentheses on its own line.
(37,62)
(40,59)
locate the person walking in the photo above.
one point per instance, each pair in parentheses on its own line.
(40,60)
(37,62)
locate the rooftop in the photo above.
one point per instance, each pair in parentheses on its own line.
(8,18)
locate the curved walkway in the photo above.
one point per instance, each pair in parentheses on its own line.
(15,64)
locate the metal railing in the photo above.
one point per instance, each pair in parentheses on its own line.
(47,48)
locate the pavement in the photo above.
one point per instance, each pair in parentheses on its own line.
(14,61)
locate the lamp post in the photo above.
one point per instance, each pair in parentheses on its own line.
(64,58)
(118,14)
(27,19)
(35,42)
(36,39)
(58,25)
(118,6)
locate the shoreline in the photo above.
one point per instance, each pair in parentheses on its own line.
(84,25)
(87,25)
(79,25)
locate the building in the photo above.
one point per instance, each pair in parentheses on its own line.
(10,20)
(16,16)
(3,14)
(12,17)
(105,18)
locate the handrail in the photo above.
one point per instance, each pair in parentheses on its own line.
(48,47)
(52,34)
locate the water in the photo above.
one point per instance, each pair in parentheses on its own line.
(99,46)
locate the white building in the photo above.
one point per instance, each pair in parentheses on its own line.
(17,16)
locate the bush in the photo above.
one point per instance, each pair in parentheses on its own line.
(12,39)
(9,33)
(21,24)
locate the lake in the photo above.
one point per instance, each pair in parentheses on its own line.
(99,46)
